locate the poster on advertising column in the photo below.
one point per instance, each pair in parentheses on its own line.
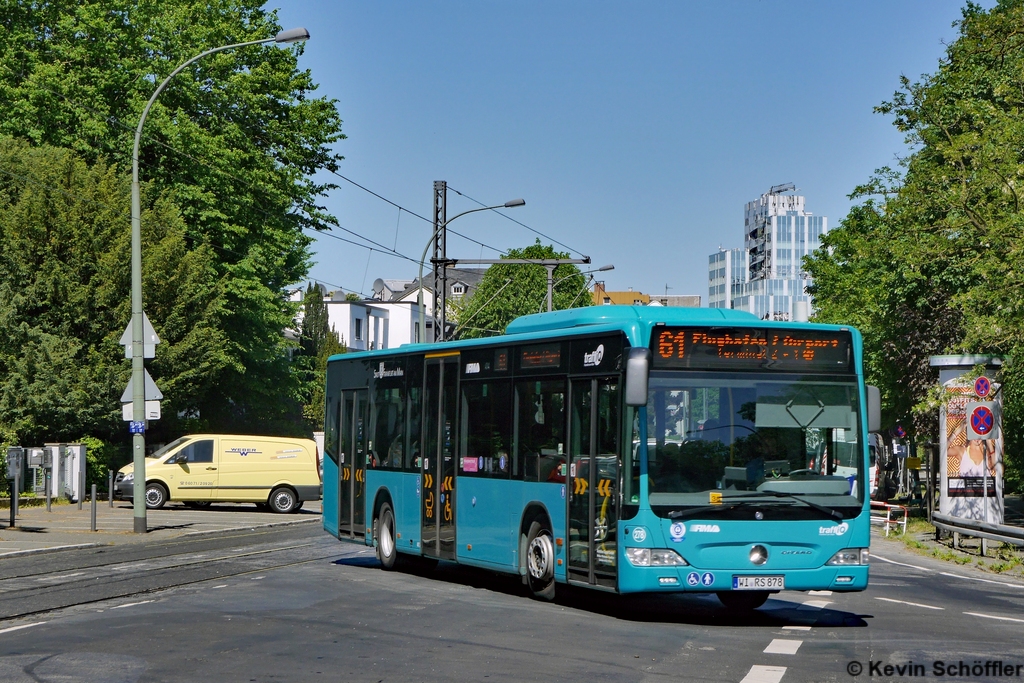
(971,450)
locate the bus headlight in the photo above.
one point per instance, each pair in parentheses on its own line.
(849,556)
(654,557)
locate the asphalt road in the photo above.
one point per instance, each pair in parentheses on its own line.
(292,604)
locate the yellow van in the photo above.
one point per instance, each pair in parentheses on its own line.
(275,473)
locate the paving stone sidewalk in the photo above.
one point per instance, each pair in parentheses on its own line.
(65,526)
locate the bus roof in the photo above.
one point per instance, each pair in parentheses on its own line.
(634,321)
(624,315)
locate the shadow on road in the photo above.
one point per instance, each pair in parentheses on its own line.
(680,608)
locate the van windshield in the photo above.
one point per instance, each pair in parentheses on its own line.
(164,450)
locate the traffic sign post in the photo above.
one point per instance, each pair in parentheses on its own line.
(139,341)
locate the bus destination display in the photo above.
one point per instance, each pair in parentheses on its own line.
(793,350)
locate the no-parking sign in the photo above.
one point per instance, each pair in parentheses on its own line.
(982,386)
(982,420)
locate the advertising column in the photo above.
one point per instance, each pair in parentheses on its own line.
(971,442)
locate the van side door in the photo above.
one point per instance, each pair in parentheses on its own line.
(194,470)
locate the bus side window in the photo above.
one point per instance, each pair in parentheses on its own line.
(540,445)
(486,428)
(388,439)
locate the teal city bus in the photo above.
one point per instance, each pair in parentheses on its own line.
(621,448)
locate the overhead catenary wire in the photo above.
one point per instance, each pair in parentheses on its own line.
(504,215)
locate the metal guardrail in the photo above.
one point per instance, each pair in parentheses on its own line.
(970,527)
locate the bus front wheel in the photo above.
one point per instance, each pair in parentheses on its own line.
(540,561)
(743,600)
(384,533)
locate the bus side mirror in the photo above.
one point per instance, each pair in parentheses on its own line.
(638,368)
(874,409)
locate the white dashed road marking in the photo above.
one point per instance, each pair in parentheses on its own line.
(912,604)
(796,628)
(973,614)
(902,564)
(131,604)
(815,604)
(781,646)
(974,578)
(764,674)
(18,628)
(819,592)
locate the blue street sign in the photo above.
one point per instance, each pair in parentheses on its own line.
(135,427)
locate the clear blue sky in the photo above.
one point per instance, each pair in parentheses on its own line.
(635,131)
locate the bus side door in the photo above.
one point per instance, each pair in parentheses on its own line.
(353,425)
(440,399)
(593,483)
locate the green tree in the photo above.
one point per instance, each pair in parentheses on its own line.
(935,263)
(235,142)
(64,300)
(318,341)
(510,290)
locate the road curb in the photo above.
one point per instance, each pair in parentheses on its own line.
(249,527)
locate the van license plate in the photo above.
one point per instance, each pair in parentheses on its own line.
(758,583)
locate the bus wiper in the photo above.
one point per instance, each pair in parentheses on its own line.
(695,512)
(831,512)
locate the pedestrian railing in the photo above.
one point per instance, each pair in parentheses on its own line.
(889,516)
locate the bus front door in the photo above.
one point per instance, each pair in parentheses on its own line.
(437,510)
(594,482)
(355,407)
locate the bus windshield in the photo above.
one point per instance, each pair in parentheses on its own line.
(756,439)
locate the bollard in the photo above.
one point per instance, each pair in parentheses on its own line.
(47,478)
(94,507)
(14,497)
(110,488)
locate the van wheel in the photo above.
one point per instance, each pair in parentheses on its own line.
(283,500)
(156,495)
(743,600)
(540,562)
(384,535)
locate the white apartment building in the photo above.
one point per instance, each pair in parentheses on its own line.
(778,232)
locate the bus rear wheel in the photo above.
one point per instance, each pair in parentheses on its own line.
(743,600)
(384,534)
(540,561)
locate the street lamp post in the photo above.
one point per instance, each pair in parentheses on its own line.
(511,204)
(138,363)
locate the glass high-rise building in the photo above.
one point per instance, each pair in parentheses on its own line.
(727,273)
(777,233)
